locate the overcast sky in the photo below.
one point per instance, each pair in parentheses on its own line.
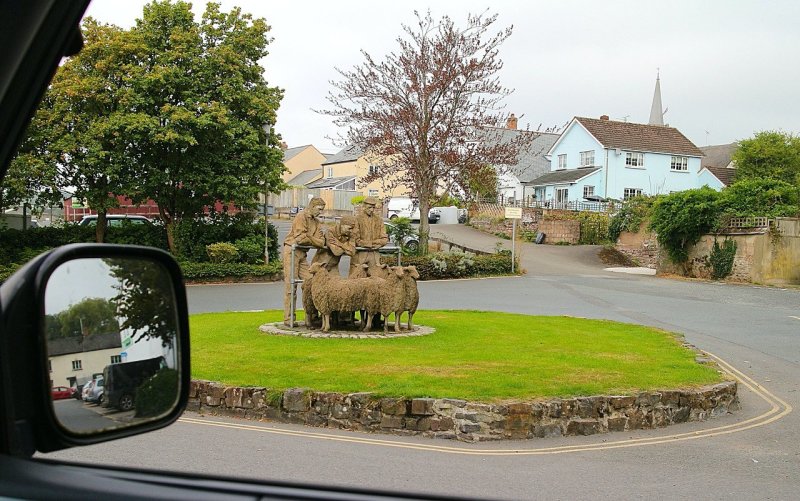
(728,68)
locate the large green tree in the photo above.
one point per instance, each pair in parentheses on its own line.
(432,111)
(197,111)
(769,154)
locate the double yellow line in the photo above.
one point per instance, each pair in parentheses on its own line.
(778,409)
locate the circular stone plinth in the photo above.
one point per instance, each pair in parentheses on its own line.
(300,330)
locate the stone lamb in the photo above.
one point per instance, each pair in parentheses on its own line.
(391,296)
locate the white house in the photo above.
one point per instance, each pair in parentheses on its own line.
(619,160)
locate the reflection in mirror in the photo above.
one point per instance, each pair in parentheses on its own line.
(111,331)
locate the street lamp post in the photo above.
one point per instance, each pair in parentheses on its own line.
(267,127)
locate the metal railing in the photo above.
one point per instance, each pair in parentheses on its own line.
(295,281)
(738,223)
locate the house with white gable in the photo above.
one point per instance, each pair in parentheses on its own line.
(618,160)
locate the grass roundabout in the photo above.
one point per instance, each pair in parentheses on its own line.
(473,355)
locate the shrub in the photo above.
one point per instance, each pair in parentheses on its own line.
(192,236)
(760,197)
(721,259)
(151,235)
(632,213)
(400,229)
(680,219)
(442,265)
(158,394)
(251,249)
(222,252)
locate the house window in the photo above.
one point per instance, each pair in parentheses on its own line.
(562,195)
(679,163)
(634,159)
(330,171)
(587,158)
(115,359)
(373,170)
(77,365)
(562,161)
(50,365)
(632,192)
(373,193)
(588,191)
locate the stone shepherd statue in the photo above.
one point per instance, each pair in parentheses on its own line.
(370,233)
(338,243)
(306,230)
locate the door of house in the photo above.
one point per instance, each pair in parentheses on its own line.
(562,196)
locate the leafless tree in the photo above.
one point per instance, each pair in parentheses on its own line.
(432,110)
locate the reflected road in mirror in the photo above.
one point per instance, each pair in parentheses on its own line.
(111,330)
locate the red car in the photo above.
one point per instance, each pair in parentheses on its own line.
(61,392)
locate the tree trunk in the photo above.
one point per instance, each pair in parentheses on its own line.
(100,228)
(424,226)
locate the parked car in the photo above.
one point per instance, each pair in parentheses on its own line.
(115,220)
(60,393)
(121,380)
(410,242)
(87,388)
(95,393)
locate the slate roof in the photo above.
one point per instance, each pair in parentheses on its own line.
(290,153)
(329,182)
(639,137)
(724,174)
(531,162)
(305,177)
(718,155)
(346,154)
(563,176)
(80,344)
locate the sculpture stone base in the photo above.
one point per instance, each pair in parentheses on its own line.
(300,330)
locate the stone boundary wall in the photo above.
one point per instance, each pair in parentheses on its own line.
(561,231)
(462,420)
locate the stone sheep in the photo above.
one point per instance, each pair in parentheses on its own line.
(410,293)
(391,296)
(330,293)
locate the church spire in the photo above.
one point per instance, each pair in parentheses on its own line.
(656,112)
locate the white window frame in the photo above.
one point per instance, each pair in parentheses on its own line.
(116,359)
(634,159)
(679,164)
(330,172)
(587,158)
(373,193)
(562,161)
(77,365)
(562,195)
(372,170)
(588,191)
(629,193)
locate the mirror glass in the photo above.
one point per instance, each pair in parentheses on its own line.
(111,332)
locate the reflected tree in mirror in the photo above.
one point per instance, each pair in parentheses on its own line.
(90,316)
(145,300)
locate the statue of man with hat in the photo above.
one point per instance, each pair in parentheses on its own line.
(370,235)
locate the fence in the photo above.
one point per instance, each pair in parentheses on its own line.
(740,223)
(335,200)
(573,205)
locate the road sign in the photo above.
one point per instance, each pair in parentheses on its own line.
(513,212)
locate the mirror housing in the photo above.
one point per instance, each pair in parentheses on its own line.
(28,422)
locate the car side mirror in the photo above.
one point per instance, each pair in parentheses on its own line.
(110,323)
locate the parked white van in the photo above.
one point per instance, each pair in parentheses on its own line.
(407,207)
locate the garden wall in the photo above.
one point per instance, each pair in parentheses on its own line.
(762,256)
(462,420)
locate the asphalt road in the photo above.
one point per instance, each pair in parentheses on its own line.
(753,454)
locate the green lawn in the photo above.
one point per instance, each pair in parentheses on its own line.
(480,356)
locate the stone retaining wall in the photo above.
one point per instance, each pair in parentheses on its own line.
(462,420)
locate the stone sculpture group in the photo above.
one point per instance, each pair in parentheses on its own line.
(371,288)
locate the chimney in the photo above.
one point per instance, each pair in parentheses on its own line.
(604,117)
(512,122)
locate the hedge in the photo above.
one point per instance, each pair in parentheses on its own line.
(158,394)
(220,271)
(443,265)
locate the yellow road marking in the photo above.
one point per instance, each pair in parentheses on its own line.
(778,409)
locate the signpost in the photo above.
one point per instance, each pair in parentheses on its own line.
(513,213)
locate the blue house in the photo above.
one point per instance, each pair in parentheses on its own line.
(618,160)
